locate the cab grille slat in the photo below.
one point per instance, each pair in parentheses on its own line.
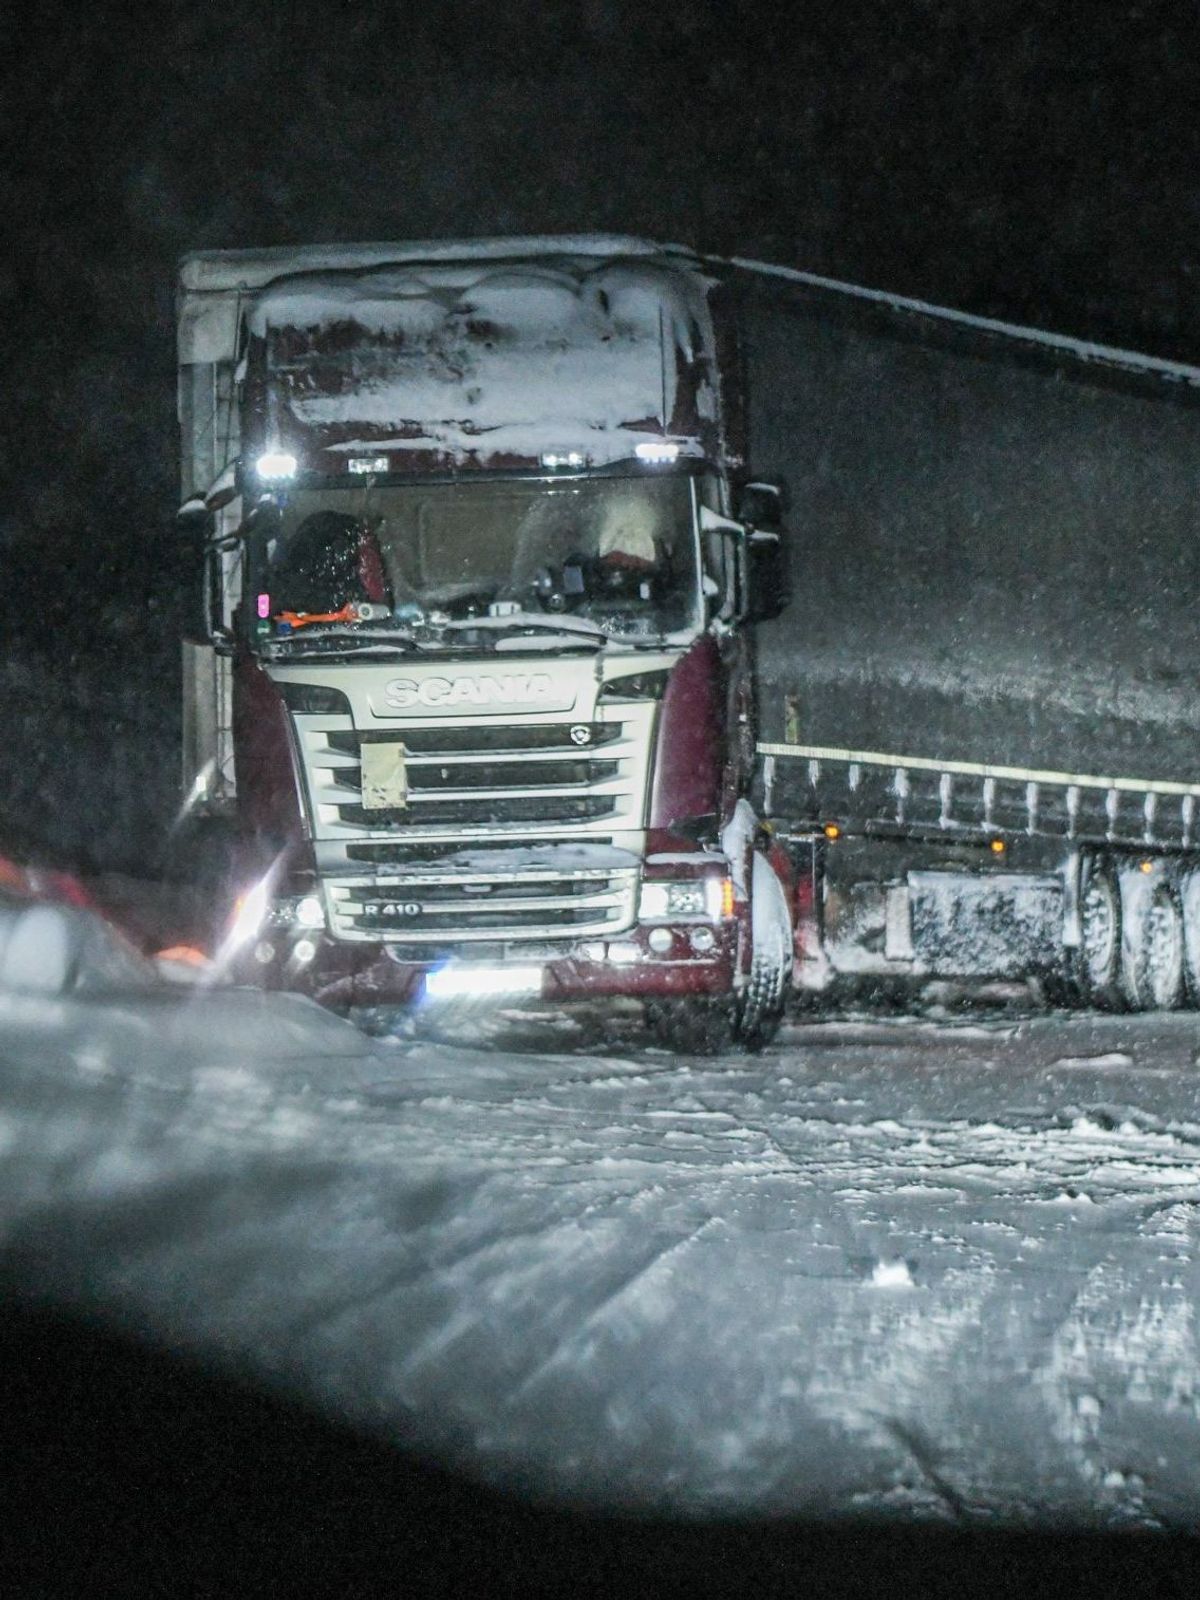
(474,740)
(434,907)
(496,810)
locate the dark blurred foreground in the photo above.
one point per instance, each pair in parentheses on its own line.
(128,1470)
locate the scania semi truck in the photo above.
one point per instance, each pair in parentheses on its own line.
(494,662)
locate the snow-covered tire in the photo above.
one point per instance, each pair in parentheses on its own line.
(697,1026)
(1097,963)
(764,998)
(1152,943)
(1189,900)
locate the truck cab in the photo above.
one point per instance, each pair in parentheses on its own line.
(483,573)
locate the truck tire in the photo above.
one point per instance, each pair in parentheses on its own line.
(764,998)
(1152,945)
(1097,963)
(1189,898)
(697,1026)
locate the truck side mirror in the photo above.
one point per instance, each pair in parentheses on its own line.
(196,529)
(768,587)
(763,504)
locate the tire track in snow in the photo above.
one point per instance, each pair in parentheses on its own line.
(533,1286)
(664,1256)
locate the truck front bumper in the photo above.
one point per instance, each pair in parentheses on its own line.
(343,974)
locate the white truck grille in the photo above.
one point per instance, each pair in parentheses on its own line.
(555,791)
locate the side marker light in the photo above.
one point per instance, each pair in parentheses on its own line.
(997,847)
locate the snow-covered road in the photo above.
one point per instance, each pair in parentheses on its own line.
(932,1267)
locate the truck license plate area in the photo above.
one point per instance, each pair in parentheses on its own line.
(384,776)
(454,981)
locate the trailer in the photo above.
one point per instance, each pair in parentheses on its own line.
(979,714)
(495,667)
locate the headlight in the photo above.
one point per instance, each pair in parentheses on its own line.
(695,897)
(305,912)
(276,466)
(310,913)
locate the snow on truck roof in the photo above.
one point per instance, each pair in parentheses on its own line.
(489,357)
(216,286)
(215,270)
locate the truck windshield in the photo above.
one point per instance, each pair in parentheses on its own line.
(618,553)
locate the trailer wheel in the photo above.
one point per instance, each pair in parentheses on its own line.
(764,998)
(1098,960)
(1189,895)
(696,1026)
(1152,947)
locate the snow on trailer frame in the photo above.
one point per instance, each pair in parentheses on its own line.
(1088,883)
(915,792)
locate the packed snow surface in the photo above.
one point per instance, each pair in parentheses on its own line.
(927,1267)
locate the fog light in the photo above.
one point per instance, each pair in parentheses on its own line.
(310,913)
(264,951)
(703,939)
(660,940)
(303,951)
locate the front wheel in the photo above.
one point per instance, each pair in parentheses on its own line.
(764,998)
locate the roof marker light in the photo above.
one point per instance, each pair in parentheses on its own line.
(276,466)
(660,451)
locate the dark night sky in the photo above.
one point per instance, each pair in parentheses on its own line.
(1034,161)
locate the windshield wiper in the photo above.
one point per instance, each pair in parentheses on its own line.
(378,642)
(576,629)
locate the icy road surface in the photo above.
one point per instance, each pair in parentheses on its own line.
(922,1268)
